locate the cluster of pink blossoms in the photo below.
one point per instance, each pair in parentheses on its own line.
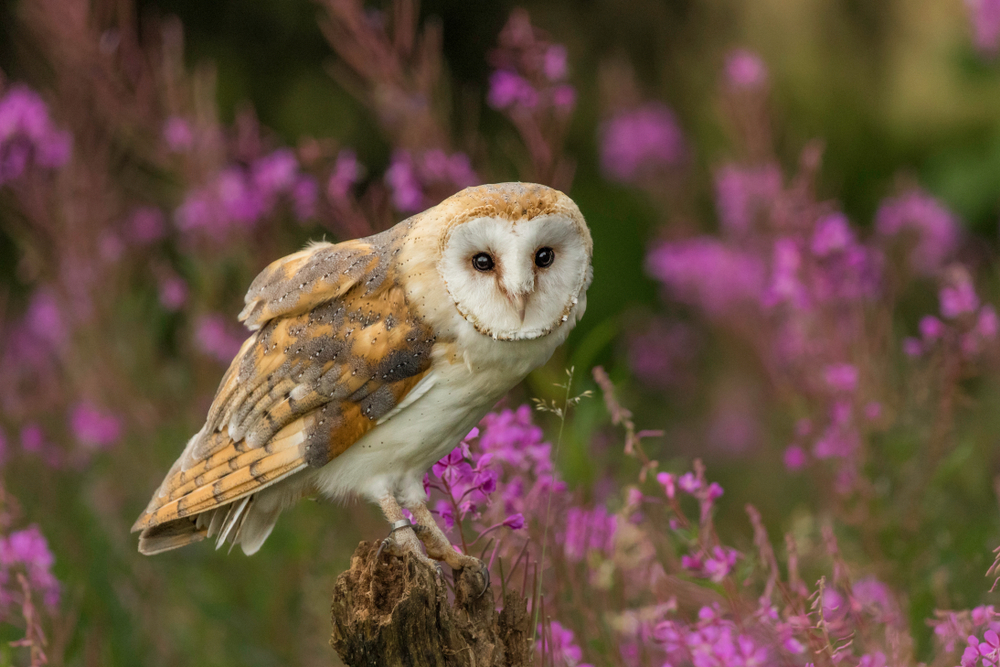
(418,180)
(240,196)
(498,473)
(27,135)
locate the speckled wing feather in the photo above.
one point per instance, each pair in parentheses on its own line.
(335,348)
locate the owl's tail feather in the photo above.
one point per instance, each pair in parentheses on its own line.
(170,535)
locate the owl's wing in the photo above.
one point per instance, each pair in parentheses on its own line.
(335,349)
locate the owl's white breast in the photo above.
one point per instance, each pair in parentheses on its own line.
(466,380)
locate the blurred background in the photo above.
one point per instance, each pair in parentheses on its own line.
(795,209)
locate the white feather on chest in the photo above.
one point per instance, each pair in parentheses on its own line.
(451,399)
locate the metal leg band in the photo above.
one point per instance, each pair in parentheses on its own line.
(399,525)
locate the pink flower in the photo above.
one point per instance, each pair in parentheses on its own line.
(987,324)
(744,193)
(304,193)
(745,69)
(667,481)
(795,458)
(215,338)
(985,18)
(275,173)
(173,292)
(509,89)
(912,347)
(561,648)
(639,142)
(707,273)
(688,483)
(554,63)
(786,285)
(29,549)
(27,134)
(93,427)
(841,377)
(931,328)
(564,97)
(32,438)
(177,134)
(958,299)
(832,234)
(346,172)
(934,228)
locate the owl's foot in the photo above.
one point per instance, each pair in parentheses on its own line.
(440,549)
(402,541)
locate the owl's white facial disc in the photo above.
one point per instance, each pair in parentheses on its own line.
(516,280)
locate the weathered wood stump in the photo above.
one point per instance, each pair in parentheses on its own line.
(397,611)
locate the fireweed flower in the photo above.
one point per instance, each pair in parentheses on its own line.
(94,428)
(640,142)
(555,63)
(27,550)
(559,644)
(173,292)
(934,229)
(795,458)
(744,193)
(745,70)
(177,135)
(346,173)
(706,272)
(958,299)
(411,176)
(509,89)
(985,18)
(832,234)
(304,194)
(28,135)
(587,531)
(215,338)
(841,377)
(239,197)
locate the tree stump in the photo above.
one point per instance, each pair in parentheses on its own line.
(397,611)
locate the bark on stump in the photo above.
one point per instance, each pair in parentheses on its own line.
(397,612)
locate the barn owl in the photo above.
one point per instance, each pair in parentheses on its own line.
(370,360)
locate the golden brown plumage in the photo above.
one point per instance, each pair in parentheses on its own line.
(334,350)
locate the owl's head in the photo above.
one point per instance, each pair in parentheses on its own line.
(515,259)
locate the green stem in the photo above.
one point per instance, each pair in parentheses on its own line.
(548,506)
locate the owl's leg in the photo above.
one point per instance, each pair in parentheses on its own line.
(439,546)
(400,541)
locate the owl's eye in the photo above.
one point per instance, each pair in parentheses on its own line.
(482,262)
(544,257)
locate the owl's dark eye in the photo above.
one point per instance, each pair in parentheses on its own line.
(544,257)
(482,262)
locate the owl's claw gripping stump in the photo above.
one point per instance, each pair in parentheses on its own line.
(484,572)
(390,545)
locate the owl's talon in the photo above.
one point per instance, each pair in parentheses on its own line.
(479,568)
(389,546)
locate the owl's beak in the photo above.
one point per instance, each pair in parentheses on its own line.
(520,303)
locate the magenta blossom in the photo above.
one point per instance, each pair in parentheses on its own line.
(706,272)
(745,69)
(933,228)
(27,135)
(640,142)
(93,427)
